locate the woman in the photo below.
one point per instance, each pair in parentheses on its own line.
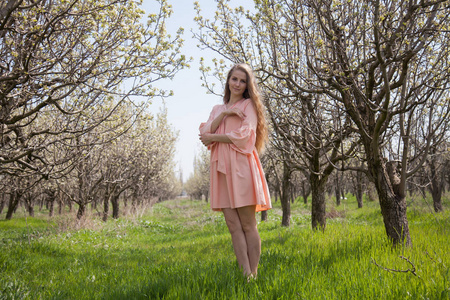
(235,132)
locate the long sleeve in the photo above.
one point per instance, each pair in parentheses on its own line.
(244,137)
(236,175)
(206,126)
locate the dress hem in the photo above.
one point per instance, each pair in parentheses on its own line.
(259,208)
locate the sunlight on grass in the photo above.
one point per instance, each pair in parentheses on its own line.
(182,250)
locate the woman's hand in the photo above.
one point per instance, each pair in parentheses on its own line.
(206,139)
(234,111)
(228,112)
(209,138)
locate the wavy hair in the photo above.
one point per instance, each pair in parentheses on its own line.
(251,92)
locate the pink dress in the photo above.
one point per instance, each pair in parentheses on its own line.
(236,175)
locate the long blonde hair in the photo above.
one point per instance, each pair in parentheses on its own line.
(251,92)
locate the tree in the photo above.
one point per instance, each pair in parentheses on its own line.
(383,67)
(64,61)
(197,184)
(75,77)
(372,69)
(436,165)
(301,119)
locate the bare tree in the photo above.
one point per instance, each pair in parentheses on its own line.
(384,62)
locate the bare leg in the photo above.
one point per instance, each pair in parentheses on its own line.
(248,222)
(241,223)
(238,238)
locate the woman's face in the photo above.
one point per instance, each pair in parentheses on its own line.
(237,83)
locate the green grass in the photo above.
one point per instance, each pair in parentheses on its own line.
(182,250)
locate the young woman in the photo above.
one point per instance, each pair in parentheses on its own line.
(235,133)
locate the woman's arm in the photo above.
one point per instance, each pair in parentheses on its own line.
(244,138)
(215,124)
(234,111)
(209,138)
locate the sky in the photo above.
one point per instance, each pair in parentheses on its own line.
(190,104)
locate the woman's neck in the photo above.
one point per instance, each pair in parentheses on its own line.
(234,99)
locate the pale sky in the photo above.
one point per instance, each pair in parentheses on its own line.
(190,104)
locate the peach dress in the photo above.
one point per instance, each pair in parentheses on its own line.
(236,175)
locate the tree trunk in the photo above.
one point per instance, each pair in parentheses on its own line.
(318,209)
(437,202)
(285,203)
(2,204)
(81,210)
(105,207)
(436,187)
(51,206)
(60,205)
(14,198)
(359,189)
(51,201)
(264,215)
(371,191)
(423,182)
(292,193)
(70,205)
(392,203)
(29,205)
(94,204)
(115,206)
(134,203)
(337,190)
(305,192)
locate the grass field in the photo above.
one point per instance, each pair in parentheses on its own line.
(180,249)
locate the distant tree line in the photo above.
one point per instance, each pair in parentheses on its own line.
(357,94)
(76,78)
(197,185)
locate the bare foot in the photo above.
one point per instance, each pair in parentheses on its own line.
(251,277)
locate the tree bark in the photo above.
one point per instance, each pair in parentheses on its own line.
(115,206)
(285,203)
(29,205)
(392,202)
(436,187)
(105,207)
(305,192)
(81,210)
(70,205)
(50,201)
(370,192)
(292,193)
(134,201)
(318,209)
(51,207)
(14,198)
(60,205)
(2,203)
(264,215)
(437,202)
(337,190)
(359,189)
